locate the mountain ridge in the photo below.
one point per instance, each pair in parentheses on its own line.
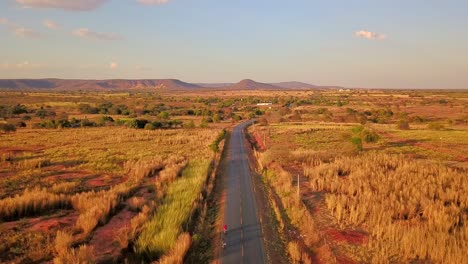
(135,84)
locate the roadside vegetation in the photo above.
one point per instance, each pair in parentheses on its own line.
(368,193)
(124,176)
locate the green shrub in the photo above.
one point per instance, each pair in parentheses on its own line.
(369,136)
(150,126)
(357,141)
(7,128)
(436,126)
(189,124)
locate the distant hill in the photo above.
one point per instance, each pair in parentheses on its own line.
(214,85)
(248,84)
(116,84)
(295,85)
(157,84)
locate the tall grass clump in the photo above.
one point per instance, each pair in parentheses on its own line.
(82,254)
(95,207)
(414,210)
(160,233)
(31,202)
(177,254)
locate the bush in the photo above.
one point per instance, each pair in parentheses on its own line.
(204,124)
(436,126)
(105,120)
(189,124)
(7,128)
(403,125)
(150,126)
(357,142)
(369,136)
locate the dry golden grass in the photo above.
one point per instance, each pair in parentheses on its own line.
(136,203)
(63,241)
(82,254)
(412,209)
(177,254)
(31,202)
(95,207)
(294,252)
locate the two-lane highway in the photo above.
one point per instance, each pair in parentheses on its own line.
(244,238)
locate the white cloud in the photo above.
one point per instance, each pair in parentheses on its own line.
(113,65)
(50,24)
(73,5)
(19,30)
(152,2)
(20,65)
(26,33)
(370,35)
(86,33)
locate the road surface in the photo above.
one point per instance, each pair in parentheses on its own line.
(244,237)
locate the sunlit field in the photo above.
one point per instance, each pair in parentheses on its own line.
(62,188)
(385,190)
(96,177)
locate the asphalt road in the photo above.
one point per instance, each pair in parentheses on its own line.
(244,237)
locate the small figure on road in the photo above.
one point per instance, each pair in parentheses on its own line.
(225,228)
(223,243)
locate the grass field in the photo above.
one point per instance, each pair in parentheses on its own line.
(60,180)
(401,198)
(91,176)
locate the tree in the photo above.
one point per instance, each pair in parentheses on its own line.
(403,124)
(7,128)
(204,123)
(189,124)
(163,115)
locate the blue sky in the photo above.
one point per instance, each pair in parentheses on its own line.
(367,43)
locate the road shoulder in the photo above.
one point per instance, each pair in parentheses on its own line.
(275,249)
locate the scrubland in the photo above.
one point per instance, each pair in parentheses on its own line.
(370,189)
(60,187)
(102,177)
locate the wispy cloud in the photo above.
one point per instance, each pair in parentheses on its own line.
(113,65)
(370,35)
(26,33)
(19,30)
(86,33)
(50,24)
(152,2)
(20,65)
(72,5)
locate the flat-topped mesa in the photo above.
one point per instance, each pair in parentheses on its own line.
(112,84)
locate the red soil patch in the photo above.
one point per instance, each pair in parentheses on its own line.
(69,175)
(6,174)
(97,182)
(259,141)
(351,237)
(54,224)
(344,260)
(104,239)
(104,242)
(104,180)
(17,150)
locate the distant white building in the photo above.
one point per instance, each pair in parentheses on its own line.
(264,104)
